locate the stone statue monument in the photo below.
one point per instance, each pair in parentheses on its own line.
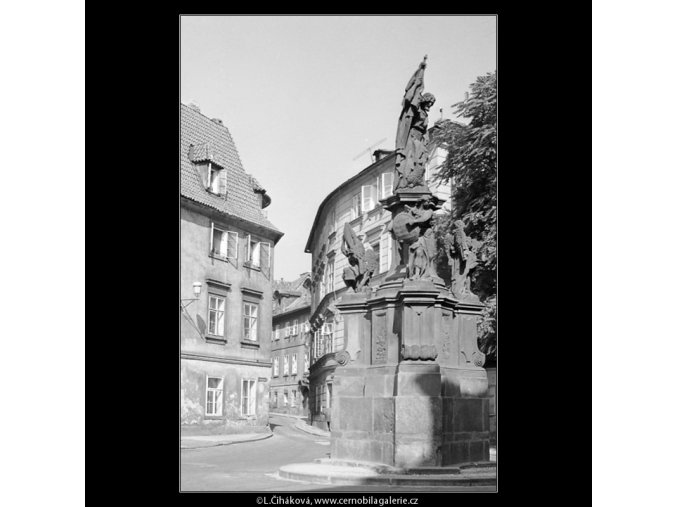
(462,260)
(362,261)
(410,391)
(411,144)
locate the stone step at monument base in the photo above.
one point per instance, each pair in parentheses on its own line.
(343,472)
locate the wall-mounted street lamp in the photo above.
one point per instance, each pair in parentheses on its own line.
(197,289)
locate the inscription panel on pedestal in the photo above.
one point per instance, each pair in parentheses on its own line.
(379,338)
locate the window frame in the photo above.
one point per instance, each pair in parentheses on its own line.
(210,295)
(208,389)
(256,322)
(276,366)
(285,365)
(251,396)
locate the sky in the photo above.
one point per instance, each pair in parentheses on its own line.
(307,98)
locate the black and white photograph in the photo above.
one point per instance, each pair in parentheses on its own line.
(338,208)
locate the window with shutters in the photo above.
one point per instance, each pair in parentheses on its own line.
(248,397)
(223,243)
(257,253)
(214,405)
(216,179)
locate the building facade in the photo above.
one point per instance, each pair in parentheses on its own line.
(227,250)
(355,202)
(290,346)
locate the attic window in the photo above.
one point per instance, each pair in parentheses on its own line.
(216,179)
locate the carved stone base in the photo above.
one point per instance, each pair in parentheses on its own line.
(393,408)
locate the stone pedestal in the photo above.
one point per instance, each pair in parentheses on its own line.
(412,391)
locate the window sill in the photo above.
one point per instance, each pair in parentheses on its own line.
(252,266)
(219,340)
(250,344)
(218,257)
(356,221)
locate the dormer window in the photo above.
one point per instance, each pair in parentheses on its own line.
(212,173)
(216,179)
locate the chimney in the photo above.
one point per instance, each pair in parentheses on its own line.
(194,106)
(379,154)
(217,120)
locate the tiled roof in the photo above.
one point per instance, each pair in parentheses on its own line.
(301,295)
(212,140)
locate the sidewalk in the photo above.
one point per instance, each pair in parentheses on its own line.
(302,425)
(201,441)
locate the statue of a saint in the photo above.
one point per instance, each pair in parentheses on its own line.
(411,142)
(462,259)
(362,261)
(422,251)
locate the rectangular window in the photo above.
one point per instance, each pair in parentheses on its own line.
(295,327)
(248,397)
(286,329)
(231,245)
(277,331)
(285,367)
(294,365)
(217,312)
(293,397)
(257,253)
(286,398)
(306,361)
(356,208)
(327,338)
(329,393)
(275,399)
(368,194)
(276,366)
(329,276)
(250,317)
(385,253)
(386,185)
(218,241)
(214,396)
(214,177)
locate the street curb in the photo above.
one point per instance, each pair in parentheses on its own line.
(217,444)
(346,478)
(306,428)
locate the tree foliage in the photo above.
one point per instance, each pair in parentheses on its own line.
(470,166)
